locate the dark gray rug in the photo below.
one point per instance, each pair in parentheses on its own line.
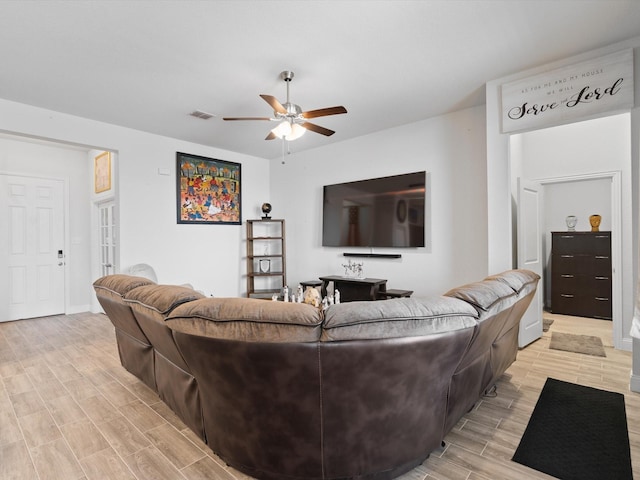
(577,433)
(586,344)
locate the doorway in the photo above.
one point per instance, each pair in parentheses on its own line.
(582,166)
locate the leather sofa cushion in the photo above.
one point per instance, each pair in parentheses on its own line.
(162,298)
(482,295)
(402,317)
(517,279)
(121,284)
(248,319)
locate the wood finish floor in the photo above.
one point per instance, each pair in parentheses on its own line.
(68,410)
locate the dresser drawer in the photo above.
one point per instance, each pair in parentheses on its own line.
(599,307)
(581,264)
(570,243)
(601,265)
(601,244)
(568,282)
(581,242)
(565,303)
(581,305)
(571,263)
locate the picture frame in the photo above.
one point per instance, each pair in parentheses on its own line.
(208,190)
(102,172)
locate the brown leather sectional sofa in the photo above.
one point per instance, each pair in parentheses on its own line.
(364,390)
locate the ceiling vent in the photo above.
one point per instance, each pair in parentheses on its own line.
(201,114)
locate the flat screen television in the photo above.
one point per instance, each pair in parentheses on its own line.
(378,212)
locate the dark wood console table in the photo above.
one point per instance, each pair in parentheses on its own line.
(354,289)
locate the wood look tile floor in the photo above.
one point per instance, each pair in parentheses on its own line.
(68,410)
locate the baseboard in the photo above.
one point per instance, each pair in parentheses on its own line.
(78,309)
(634,383)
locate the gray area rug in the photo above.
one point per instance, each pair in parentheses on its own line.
(586,344)
(546,323)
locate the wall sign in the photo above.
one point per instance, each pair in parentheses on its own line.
(569,94)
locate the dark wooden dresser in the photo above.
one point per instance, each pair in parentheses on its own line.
(581,274)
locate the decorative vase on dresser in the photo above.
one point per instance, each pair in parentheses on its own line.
(581,274)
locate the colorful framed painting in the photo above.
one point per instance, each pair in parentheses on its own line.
(208,190)
(102,172)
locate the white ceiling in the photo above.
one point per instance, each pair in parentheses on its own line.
(148,64)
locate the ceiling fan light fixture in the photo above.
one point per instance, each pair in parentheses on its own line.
(296,132)
(282,130)
(288,130)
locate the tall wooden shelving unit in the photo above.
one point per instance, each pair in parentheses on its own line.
(266,241)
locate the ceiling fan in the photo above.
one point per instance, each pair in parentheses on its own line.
(293,121)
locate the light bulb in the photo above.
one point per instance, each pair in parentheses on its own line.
(296,132)
(282,130)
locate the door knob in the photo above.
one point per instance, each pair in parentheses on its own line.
(60,264)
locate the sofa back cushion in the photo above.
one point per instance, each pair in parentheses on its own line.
(485,296)
(162,298)
(520,281)
(401,317)
(248,319)
(119,284)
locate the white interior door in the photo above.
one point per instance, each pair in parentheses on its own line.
(529,226)
(108,238)
(33,247)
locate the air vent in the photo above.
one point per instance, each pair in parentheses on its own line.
(201,114)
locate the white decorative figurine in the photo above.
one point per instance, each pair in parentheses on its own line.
(300,295)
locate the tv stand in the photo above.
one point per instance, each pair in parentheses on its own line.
(354,289)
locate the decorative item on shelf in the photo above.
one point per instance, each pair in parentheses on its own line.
(353,269)
(265,265)
(571,220)
(595,220)
(266,209)
(312,297)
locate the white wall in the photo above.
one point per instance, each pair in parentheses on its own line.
(20,157)
(450,148)
(207,256)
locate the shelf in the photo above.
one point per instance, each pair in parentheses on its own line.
(266,294)
(268,274)
(373,255)
(265,235)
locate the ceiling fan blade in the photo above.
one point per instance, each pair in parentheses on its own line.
(271,136)
(318,129)
(246,118)
(275,104)
(323,112)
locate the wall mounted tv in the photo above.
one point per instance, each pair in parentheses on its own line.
(378,212)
